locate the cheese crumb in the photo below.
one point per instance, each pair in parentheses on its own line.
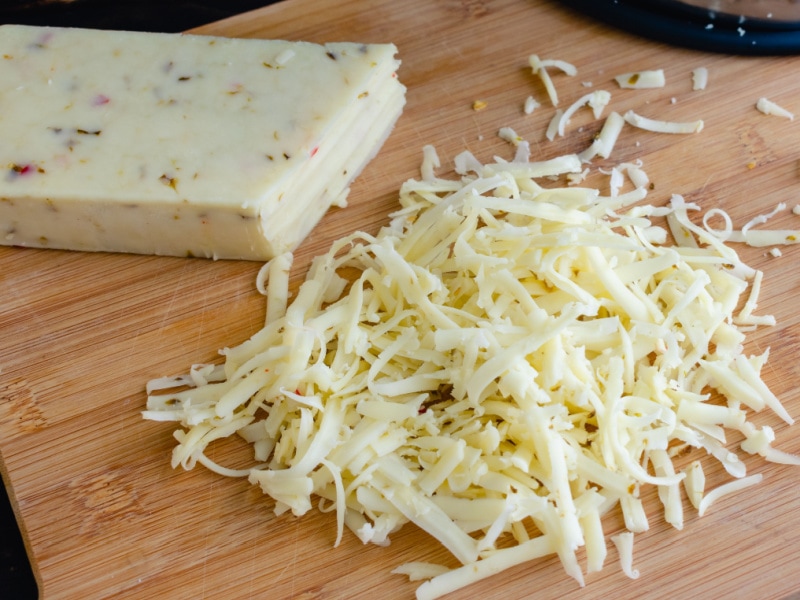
(530,105)
(284,57)
(699,78)
(509,135)
(596,100)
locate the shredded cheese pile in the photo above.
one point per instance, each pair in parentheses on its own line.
(501,365)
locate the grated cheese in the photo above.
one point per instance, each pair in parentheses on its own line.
(699,78)
(500,368)
(554,124)
(510,136)
(755,237)
(530,105)
(624,543)
(727,488)
(539,67)
(768,107)
(694,483)
(663,126)
(603,144)
(596,100)
(641,79)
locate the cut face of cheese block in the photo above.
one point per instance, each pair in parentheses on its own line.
(183,145)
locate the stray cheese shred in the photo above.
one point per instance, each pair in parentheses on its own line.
(641,79)
(539,67)
(502,364)
(768,107)
(661,126)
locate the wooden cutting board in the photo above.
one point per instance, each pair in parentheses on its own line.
(103,513)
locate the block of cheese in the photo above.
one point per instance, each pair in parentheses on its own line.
(183,145)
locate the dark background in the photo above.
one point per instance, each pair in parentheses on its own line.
(16,577)
(138,15)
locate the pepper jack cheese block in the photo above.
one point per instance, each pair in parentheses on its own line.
(183,145)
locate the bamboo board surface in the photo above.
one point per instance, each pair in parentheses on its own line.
(104,515)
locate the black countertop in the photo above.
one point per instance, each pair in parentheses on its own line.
(16,577)
(136,15)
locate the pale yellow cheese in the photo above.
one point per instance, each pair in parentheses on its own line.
(508,362)
(183,145)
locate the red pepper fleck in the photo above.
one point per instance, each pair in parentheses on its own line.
(314,150)
(100,100)
(298,392)
(26,169)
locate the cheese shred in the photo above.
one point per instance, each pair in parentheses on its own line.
(638,80)
(539,67)
(661,126)
(768,107)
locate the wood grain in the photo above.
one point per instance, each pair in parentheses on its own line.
(105,516)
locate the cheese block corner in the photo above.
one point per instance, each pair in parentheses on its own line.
(182,144)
